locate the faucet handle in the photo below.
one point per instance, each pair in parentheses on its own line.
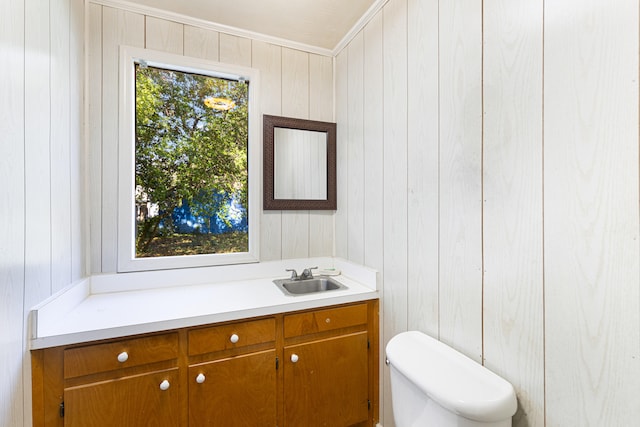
(294,273)
(307,274)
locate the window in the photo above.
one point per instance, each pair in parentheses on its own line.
(187,195)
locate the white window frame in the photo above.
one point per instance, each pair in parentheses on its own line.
(127,261)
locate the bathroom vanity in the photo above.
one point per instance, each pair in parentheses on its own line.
(289,361)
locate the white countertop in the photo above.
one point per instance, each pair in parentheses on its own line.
(110,306)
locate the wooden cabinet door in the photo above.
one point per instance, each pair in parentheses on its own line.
(140,400)
(237,391)
(326,382)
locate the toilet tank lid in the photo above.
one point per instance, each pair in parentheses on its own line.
(455,381)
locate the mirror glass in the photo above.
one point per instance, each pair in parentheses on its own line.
(299,164)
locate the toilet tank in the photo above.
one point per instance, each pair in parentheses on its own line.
(434,385)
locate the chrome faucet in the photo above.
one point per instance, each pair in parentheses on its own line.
(306,273)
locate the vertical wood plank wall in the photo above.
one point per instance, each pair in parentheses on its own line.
(394,169)
(321,234)
(507,220)
(42,231)
(591,213)
(293,83)
(12,234)
(512,187)
(488,168)
(460,190)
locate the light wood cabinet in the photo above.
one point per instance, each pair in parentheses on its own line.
(326,382)
(118,355)
(126,383)
(138,400)
(239,373)
(234,392)
(326,367)
(235,383)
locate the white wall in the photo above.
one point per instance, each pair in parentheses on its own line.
(42,222)
(488,167)
(293,84)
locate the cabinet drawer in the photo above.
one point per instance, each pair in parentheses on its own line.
(120,354)
(324,320)
(229,336)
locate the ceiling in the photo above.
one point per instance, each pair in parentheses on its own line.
(317,23)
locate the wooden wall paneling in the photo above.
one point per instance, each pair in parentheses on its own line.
(320,88)
(295,103)
(60,146)
(321,233)
(12,164)
(235,50)
(37,173)
(295,83)
(342,160)
(373,144)
(423,166)
(163,35)
(37,84)
(355,150)
(127,28)
(395,167)
(295,234)
(268,59)
(321,108)
(373,178)
(78,145)
(460,302)
(512,176)
(395,227)
(94,133)
(201,43)
(395,96)
(591,213)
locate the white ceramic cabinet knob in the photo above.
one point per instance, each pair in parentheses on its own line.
(234,338)
(200,378)
(164,385)
(123,357)
(294,358)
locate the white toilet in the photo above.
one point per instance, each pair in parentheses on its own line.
(434,385)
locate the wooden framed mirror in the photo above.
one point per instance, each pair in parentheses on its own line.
(299,164)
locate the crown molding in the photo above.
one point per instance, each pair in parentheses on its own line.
(201,23)
(358,26)
(227,29)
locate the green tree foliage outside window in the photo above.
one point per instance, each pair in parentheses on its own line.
(191,136)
